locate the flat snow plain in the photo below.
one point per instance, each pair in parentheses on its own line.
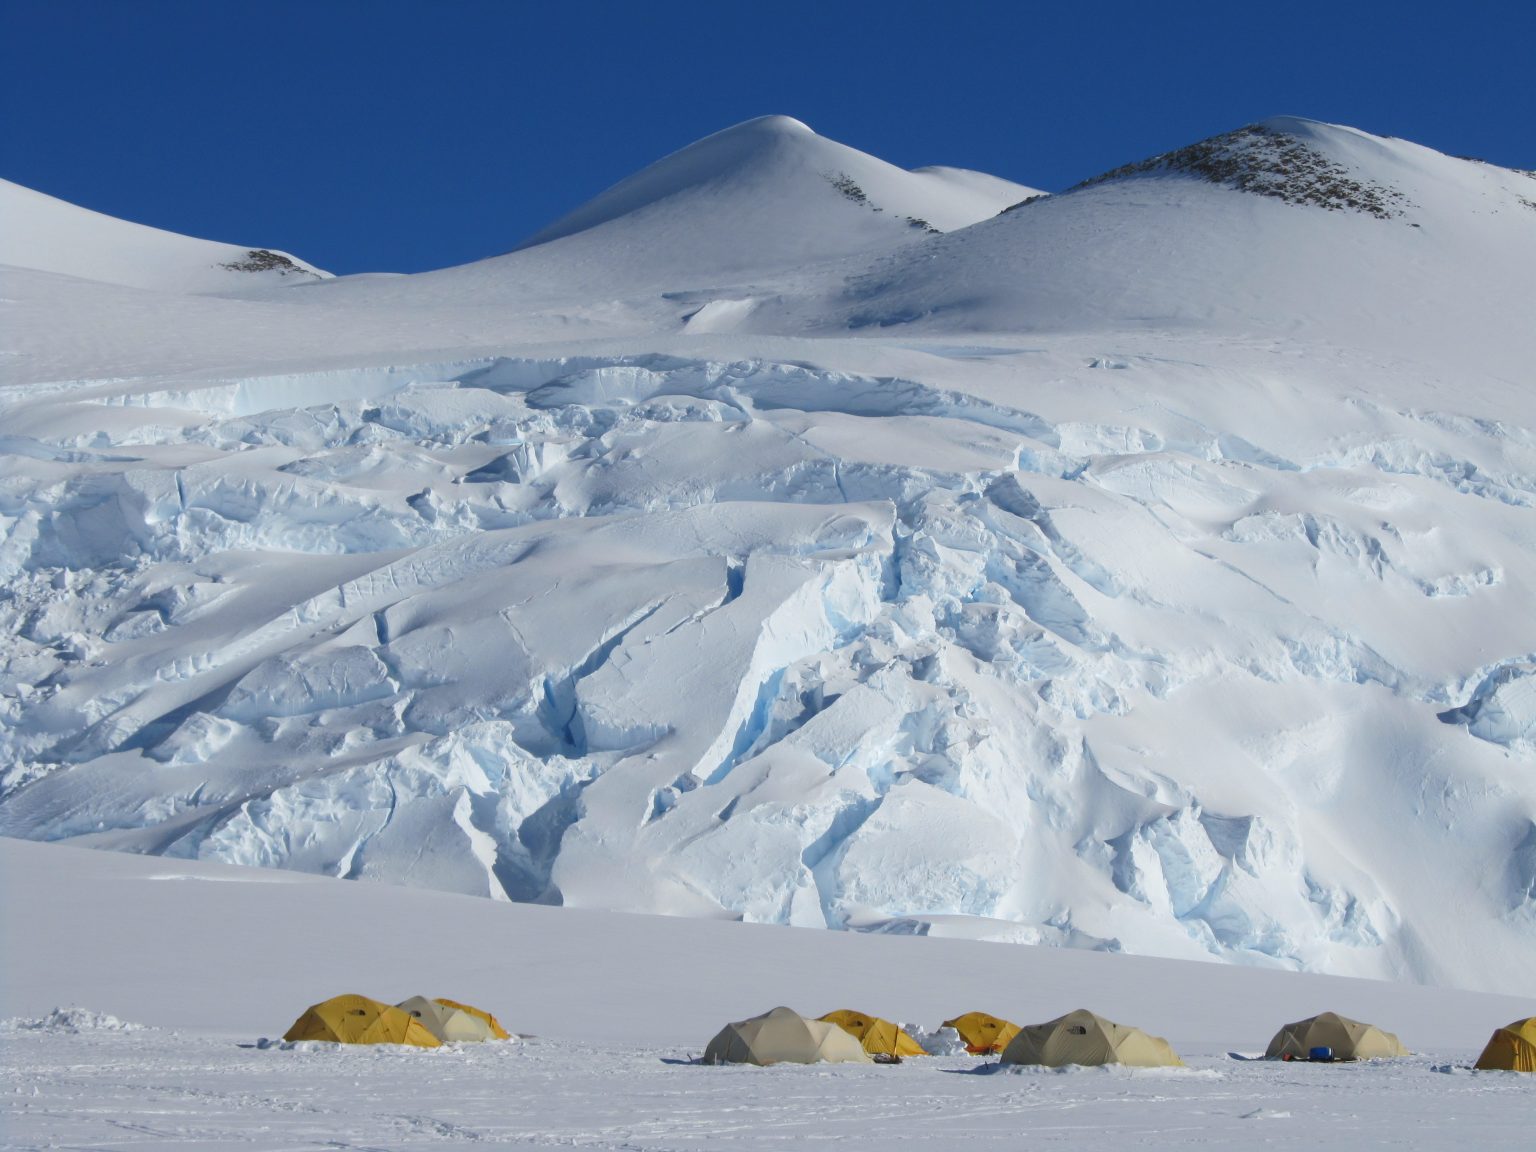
(204,960)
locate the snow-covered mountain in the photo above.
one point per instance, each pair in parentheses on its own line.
(768,192)
(51,235)
(1145,568)
(1289,228)
(707,234)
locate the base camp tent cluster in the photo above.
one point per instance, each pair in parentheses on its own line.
(418,1022)
(1080,1037)
(783,1036)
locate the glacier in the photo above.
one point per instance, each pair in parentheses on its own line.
(937,584)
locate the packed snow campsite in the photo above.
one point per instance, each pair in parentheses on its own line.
(170,1036)
(1141,573)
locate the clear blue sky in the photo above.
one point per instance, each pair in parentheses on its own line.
(411,134)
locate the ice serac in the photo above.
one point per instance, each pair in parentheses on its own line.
(1151,570)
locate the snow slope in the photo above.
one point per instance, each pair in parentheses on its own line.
(1148,569)
(1289,229)
(696,242)
(204,959)
(770,192)
(707,232)
(50,235)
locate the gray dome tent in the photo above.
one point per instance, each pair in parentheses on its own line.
(783,1036)
(1082,1037)
(1349,1039)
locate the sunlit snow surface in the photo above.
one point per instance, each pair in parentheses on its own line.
(1167,593)
(164,1090)
(191,966)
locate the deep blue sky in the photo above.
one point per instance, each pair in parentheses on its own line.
(412,134)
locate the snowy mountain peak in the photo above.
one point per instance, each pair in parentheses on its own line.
(770,192)
(44,233)
(1316,223)
(777,124)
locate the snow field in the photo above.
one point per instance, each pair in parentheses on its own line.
(155,1089)
(205,960)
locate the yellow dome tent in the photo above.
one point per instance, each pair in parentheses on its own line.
(359,1020)
(879,1037)
(1349,1039)
(783,1036)
(497,1031)
(1512,1048)
(983,1034)
(1083,1037)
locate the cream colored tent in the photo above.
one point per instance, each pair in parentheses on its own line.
(783,1036)
(1081,1037)
(448,1024)
(497,1031)
(1512,1048)
(1349,1039)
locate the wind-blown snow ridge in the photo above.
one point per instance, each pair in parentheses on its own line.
(1197,623)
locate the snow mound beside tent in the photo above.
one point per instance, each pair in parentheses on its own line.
(70,1020)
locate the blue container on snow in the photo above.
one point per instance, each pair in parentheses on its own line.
(1322,1054)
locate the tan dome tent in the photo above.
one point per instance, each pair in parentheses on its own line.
(982,1034)
(449,1025)
(879,1037)
(359,1020)
(1082,1037)
(1348,1039)
(1513,1048)
(497,1031)
(783,1036)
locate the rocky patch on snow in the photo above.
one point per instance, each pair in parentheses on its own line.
(265,260)
(1266,161)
